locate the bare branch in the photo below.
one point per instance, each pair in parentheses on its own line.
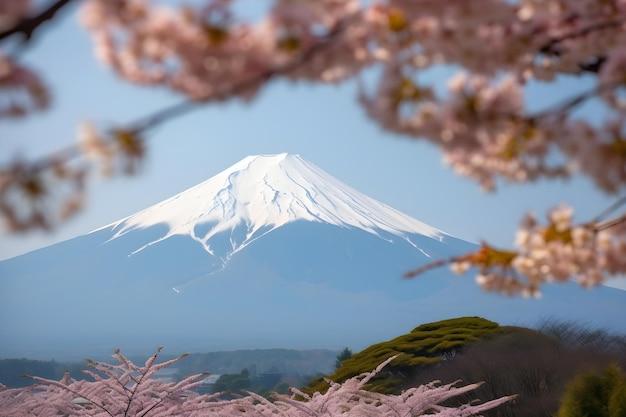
(430,266)
(610,209)
(611,223)
(29,25)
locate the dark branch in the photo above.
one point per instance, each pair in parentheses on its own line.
(595,63)
(28,25)
(573,102)
(549,47)
(612,223)
(430,266)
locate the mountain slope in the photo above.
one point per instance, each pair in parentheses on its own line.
(262,193)
(272,252)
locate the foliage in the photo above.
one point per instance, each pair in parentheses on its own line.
(480,121)
(595,395)
(130,390)
(233,383)
(531,363)
(425,345)
(535,365)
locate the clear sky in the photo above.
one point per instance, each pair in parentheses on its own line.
(322,123)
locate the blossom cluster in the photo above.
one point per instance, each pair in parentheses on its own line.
(31,197)
(480,124)
(127,389)
(556,252)
(23,90)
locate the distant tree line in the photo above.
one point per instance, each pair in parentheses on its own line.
(11,370)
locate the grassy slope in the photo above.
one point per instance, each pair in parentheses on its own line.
(424,345)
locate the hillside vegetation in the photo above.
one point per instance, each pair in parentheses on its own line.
(425,345)
(537,365)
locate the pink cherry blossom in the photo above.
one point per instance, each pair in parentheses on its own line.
(126,389)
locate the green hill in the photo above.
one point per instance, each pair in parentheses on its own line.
(425,345)
(534,364)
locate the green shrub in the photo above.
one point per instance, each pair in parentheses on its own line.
(593,395)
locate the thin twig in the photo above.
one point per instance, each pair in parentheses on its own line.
(28,25)
(574,102)
(430,266)
(611,223)
(610,209)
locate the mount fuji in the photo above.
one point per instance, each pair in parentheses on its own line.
(271,252)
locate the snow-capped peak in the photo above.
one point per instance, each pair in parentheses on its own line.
(261,193)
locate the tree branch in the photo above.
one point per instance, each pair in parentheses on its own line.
(547,48)
(178,109)
(595,63)
(153,120)
(611,223)
(28,25)
(575,101)
(610,209)
(430,266)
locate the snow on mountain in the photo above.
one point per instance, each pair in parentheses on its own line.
(261,193)
(271,252)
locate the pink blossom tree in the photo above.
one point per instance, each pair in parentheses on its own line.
(480,122)
(126,389)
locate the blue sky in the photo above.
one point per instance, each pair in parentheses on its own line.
(322,123)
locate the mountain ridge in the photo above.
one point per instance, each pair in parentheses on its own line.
(149,279)
(249,199)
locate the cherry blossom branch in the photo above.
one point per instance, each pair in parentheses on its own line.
(557,252)
(482,126)
(76,392)
(150,121)
(430,266)
(125,146)
(571,103)
(184,107)
(27,26)
(610,24)
(160,399)
(611,223)
(558,109)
